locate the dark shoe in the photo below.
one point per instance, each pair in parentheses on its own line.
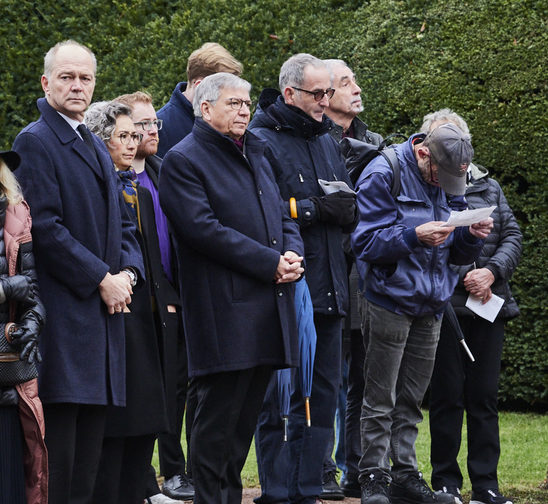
(452,490)
(350,486)
(375,489)
(489,496)
(412,489)
(179,487)
(330,487)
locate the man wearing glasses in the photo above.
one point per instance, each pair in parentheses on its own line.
(301,152)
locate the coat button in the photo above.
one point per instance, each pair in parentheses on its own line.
(330,309)
(307,213)
(274,241)
(329,294)
(280,293)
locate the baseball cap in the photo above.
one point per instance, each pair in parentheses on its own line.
(11,158)
(451,150)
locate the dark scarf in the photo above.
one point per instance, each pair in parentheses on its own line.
(129,192)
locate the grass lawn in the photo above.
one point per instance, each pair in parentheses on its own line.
(522,467)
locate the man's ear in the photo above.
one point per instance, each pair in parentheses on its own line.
(423,152)
(289,95)
(45,84)
(205,109)
(197,81)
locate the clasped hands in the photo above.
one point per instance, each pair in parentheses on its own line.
(289,268)
(116,291)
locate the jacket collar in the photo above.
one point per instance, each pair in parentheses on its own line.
(360,130)
(180,100)
(279,115)
(66,134)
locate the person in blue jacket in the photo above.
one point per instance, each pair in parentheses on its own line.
(177,114)
(238,253)
(301,151)
(403,253)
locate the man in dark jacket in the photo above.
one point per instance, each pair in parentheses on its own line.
(238,252)
(87,260)
(301,152)
(343,110)
(173,466)
(403,253)
(177,113)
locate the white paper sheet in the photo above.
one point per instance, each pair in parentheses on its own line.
(489,310)
(332,186)
(469,217)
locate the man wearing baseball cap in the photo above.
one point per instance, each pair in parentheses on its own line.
(403,253)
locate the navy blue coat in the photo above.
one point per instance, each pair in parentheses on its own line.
(230,229)
(178,117)
(81,231)
(301,152)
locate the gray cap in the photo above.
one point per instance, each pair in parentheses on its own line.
(451,150)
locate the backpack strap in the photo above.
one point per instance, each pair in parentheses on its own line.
(390,155)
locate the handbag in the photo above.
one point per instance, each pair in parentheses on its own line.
(13,370)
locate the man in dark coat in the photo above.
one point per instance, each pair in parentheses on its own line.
(87,260)
(343,110)
(173,466)
(238,253)
(301,152)
(177,113)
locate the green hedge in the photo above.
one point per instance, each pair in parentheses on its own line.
(485,59)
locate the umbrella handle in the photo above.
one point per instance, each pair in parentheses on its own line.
(285,428)
(307,410)
(463,343)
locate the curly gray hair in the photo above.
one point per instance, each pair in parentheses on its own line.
(443,115)
(101,117)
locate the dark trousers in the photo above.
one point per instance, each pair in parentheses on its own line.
(12,475)
(170,452)
(124,464)
(459,385)
(292,471)
(228,404)
(74,438)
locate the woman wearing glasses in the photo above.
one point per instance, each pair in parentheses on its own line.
(130,432)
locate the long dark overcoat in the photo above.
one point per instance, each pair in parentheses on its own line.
(81,231)
(231,227)
(145,411)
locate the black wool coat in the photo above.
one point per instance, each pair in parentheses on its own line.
(230,228)
(146,330)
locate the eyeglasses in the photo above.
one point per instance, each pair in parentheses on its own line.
(125,138)
(238,103)
(318,95)
(148,125)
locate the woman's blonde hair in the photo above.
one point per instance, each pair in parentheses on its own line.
(9,185)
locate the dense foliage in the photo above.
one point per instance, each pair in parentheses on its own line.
(486,59)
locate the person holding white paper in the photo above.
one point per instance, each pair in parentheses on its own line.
(458,384)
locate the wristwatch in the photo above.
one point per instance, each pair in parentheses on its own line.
(132,276)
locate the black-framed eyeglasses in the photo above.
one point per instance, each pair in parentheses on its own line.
(319,94)
(238,103)
(125,138)
(148,125)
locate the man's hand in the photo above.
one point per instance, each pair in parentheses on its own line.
(115,291)
(478,283)
(482,229)
(289,268)
(432,233)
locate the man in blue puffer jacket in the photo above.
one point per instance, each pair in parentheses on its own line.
(403,254)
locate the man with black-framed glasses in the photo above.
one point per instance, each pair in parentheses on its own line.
(301,152)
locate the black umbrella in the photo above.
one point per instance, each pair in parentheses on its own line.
(451,318)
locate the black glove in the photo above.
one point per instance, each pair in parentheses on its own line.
(18,288)
(25,336)
(336,208)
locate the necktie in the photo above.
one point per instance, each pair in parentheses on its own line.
(86,137)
